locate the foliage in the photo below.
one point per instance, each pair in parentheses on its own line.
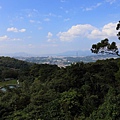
(81,91)
(105,47)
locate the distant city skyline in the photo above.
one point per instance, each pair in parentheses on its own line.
(56,26)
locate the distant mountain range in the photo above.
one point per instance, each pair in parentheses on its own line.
(67,54)
(78,53)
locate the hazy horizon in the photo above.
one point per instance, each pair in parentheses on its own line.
(78,53)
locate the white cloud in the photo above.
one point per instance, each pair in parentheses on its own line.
(32,21)
(75,31)
(98,4)
(108,31)
(67,19)
(30,12)
(50,38)
(12,29)
(6,38)
(22,30)
(49,35)
(88,31)
(3,38)
(92,7)
(15,39)
(47,19)
(51,14)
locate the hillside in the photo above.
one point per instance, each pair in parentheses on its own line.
(81,91)
(12,68)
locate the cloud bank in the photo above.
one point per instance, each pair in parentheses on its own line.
(88,31)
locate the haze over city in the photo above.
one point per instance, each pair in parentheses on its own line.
(56,26)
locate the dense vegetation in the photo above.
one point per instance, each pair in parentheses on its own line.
(82,91)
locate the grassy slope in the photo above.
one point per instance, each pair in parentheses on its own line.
(10,82)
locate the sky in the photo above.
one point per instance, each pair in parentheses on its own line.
(55,26)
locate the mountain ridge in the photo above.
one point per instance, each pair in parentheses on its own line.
(67,53)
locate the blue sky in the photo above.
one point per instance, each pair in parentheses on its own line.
(55,26)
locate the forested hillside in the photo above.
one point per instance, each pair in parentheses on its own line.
(13,68)
(81,91)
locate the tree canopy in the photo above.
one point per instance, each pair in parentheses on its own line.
(104,47)
(81,91)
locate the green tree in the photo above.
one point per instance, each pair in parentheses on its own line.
(105,47)
(110,109)
(70,103)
